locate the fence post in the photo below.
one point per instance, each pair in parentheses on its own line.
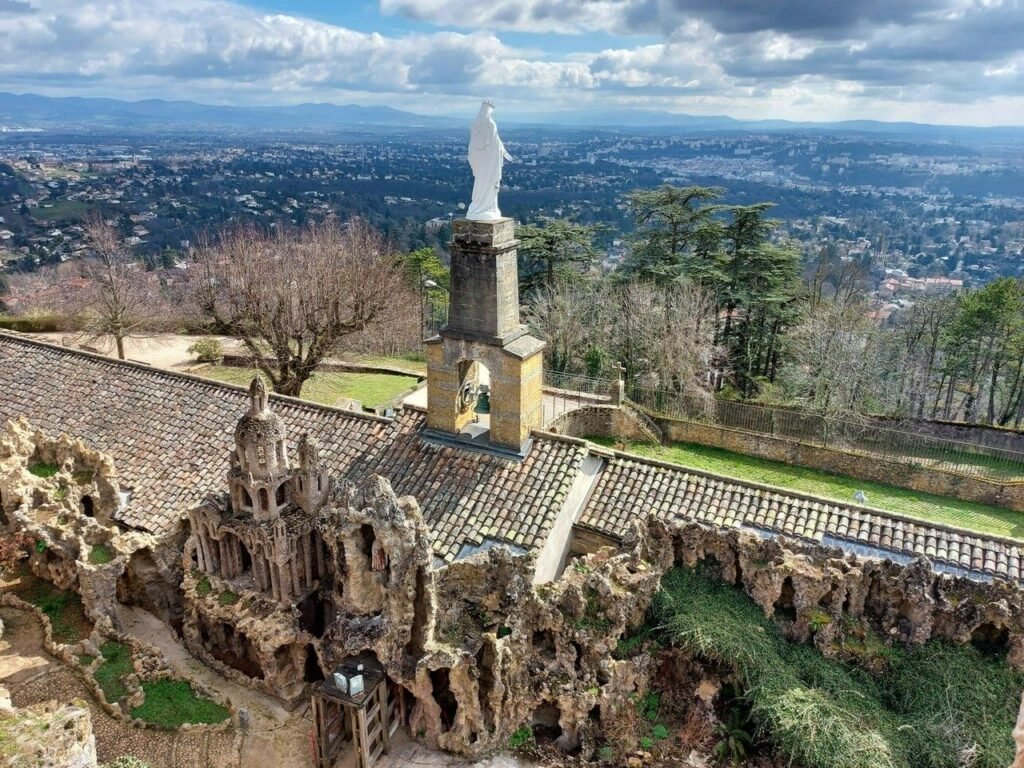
(620,390)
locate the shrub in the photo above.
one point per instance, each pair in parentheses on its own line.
(207,351)
(930,707)
(35,323)
(227,597)
(521,738)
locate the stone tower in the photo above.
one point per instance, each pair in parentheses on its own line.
(310,481)
(484,330)
(259,471)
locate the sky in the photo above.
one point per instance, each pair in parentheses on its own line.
(934,61)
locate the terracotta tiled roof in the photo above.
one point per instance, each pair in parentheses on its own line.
(170,437)
(469,497)
(630,487)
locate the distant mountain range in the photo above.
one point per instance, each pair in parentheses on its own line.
(32,111)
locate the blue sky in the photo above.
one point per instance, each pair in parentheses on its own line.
(941,61)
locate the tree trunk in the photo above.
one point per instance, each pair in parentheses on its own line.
(119,338)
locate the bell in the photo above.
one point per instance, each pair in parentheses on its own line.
(483,403)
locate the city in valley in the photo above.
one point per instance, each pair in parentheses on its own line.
(520,384)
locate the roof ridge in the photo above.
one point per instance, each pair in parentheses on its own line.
(165,373)
(635,457)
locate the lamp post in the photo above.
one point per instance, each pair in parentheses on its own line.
(431,285)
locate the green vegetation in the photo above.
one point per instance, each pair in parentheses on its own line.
(203,587)
(33,323)
(126,761)
(100,554)
(83,476)
(63,210)
(328,387)
(62,608)
(924,506)
(521,738)
(43,469)
(171,703)
(227,597)
(86,659)
(207,350)
(117,664)
(930,707)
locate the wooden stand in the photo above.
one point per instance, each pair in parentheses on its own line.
(367,720)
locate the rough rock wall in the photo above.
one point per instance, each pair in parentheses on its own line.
(64,494)
(50,735)
(819,590)
(507,655)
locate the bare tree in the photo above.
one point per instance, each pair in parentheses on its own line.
(291,296)
(834,352)
(117,300)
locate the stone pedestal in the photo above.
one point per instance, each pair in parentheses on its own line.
(484,329)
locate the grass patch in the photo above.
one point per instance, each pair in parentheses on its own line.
(86,659)
(63,210)
(117,664)
(203,586)
(971,516)
(43,469)
(83,477)
(62,608)
(328,387)
(227,597)
(937,706)
(100,554)
(171,703)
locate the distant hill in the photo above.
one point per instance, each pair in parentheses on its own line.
(673,122)
(32,111)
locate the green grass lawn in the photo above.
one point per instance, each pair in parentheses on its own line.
(62,607)
(370,389)
(117,664)
(63,210)
(939,509)
(171,703)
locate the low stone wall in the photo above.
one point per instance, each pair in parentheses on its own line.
(244,361)
(999,438)
(600,421)
(866,467)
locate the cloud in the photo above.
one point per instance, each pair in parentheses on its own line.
(791,58)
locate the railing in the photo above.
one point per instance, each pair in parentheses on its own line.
(567,392)
(862,437)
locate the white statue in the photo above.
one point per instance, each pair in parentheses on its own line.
(486,156)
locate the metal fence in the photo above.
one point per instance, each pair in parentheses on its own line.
(864,437)
(566,392)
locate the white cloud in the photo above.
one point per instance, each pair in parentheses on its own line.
(748,65)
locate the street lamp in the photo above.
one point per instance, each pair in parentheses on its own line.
(433,285)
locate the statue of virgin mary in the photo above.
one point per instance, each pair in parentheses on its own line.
(486,156)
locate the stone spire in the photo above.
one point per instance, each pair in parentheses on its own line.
(310,482)
(259,464)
